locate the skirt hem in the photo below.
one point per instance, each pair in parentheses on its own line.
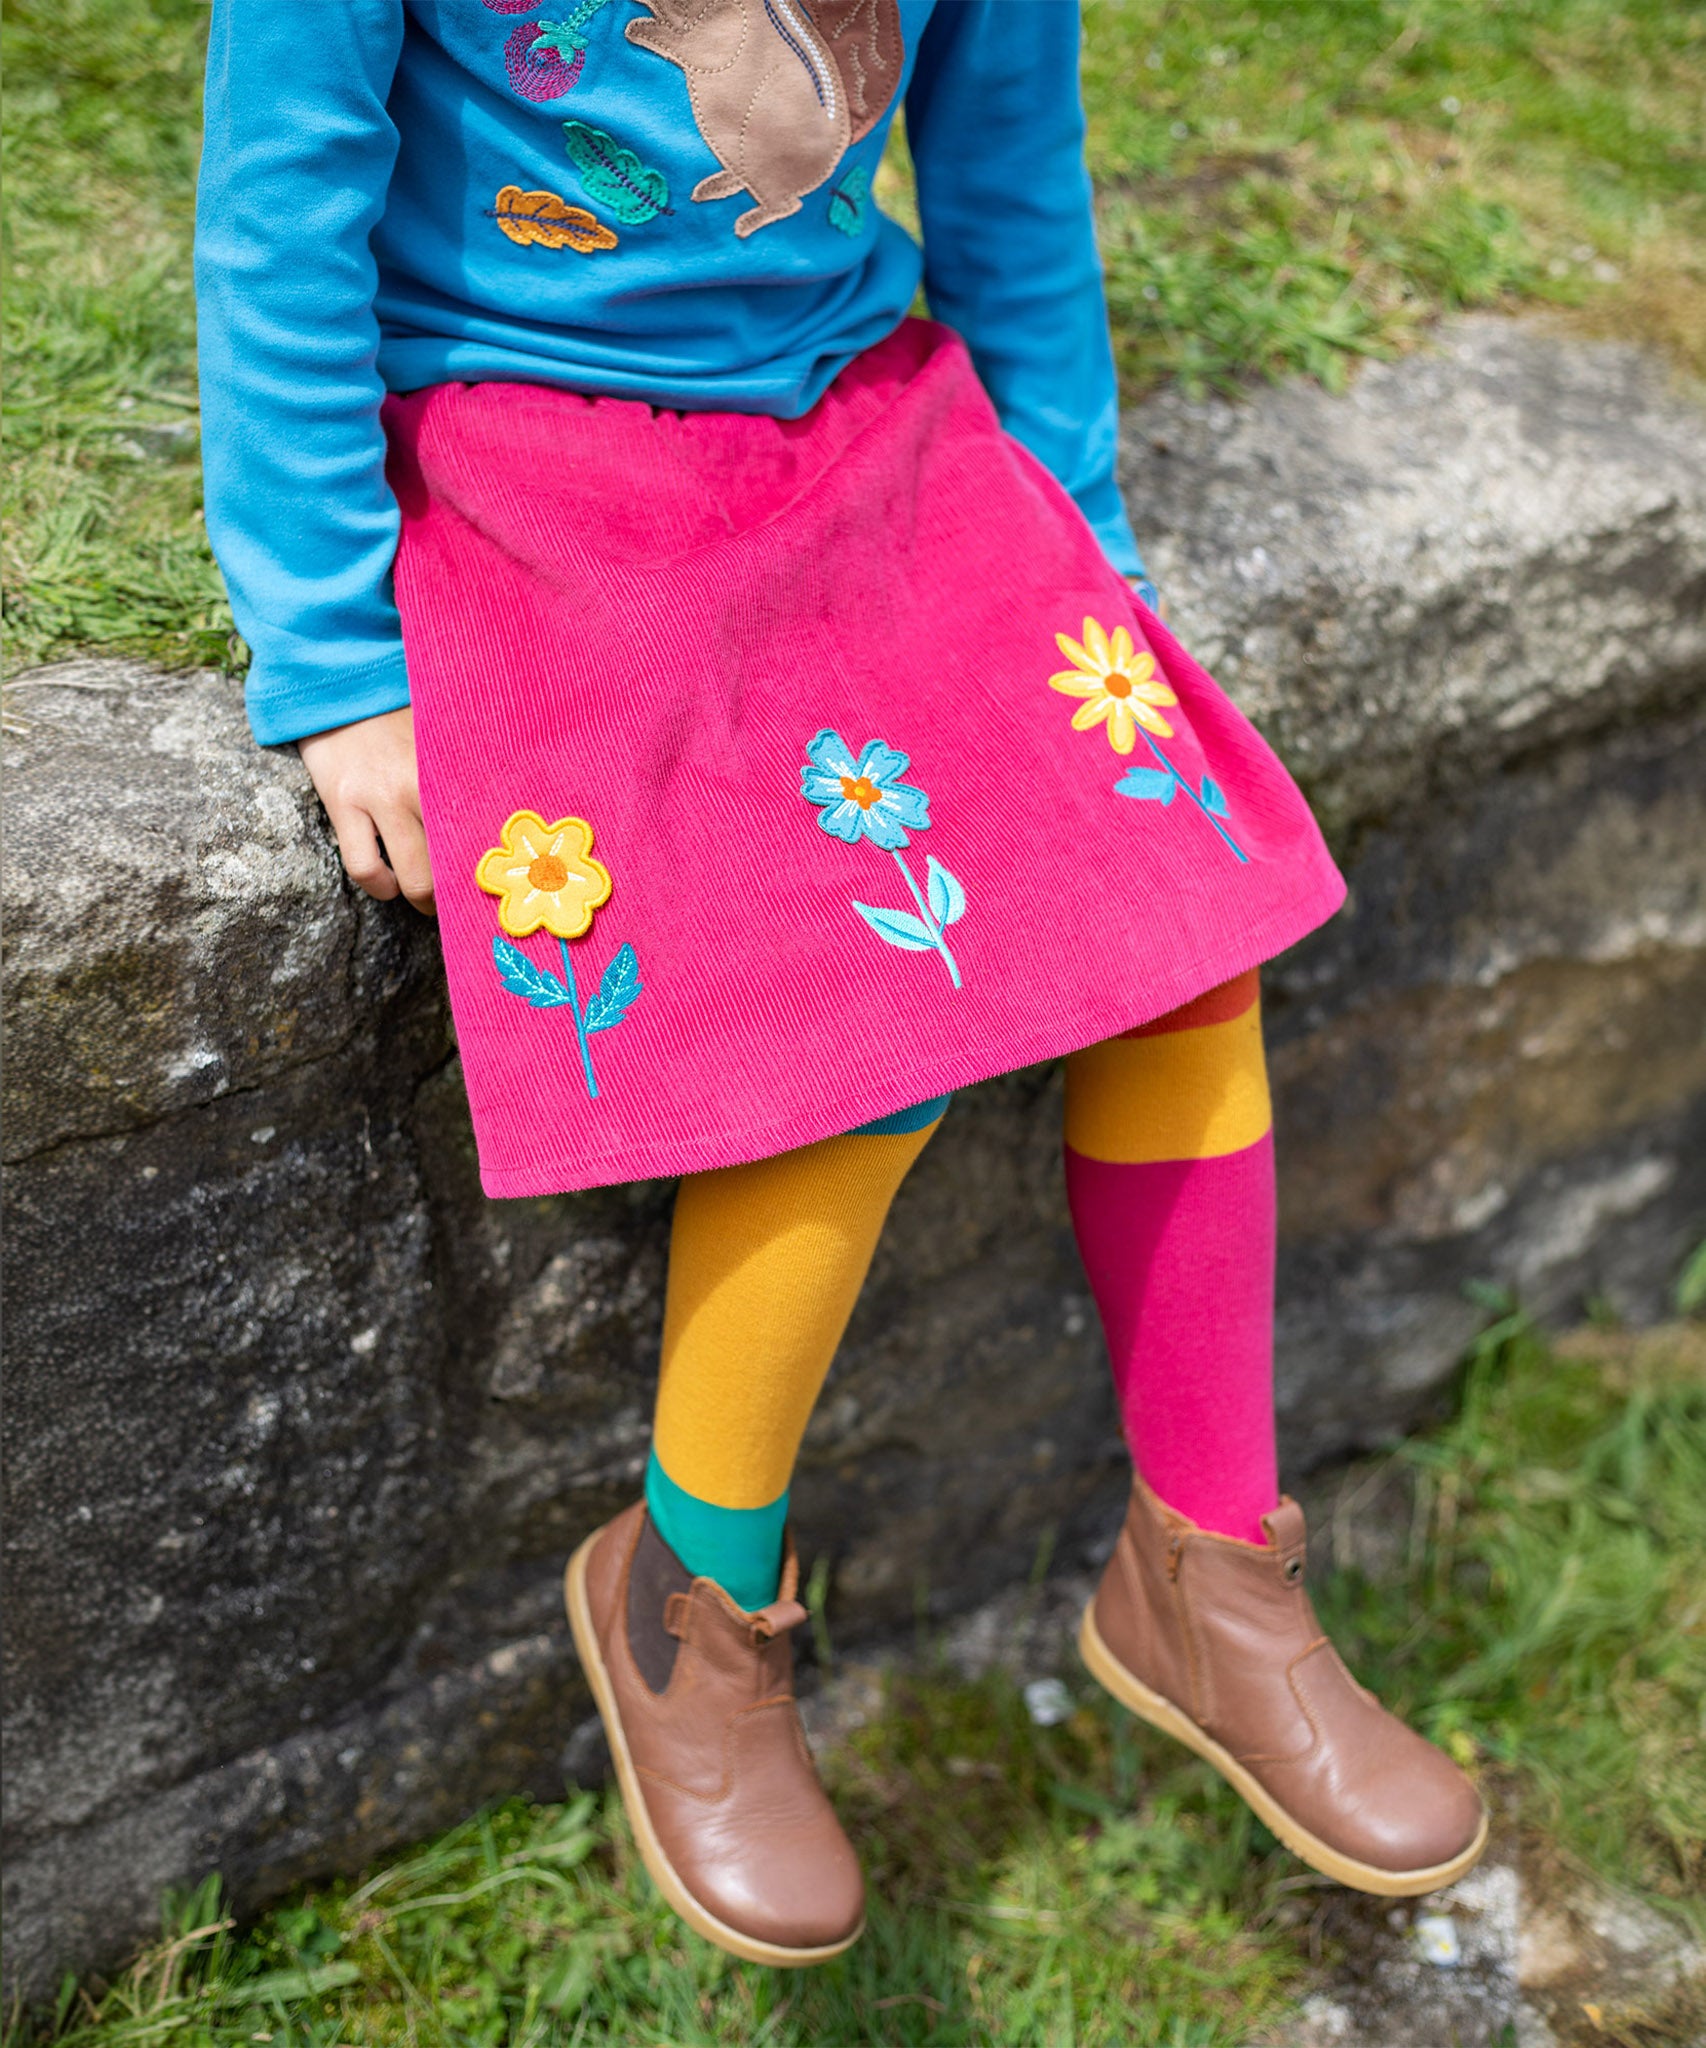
(924,1079)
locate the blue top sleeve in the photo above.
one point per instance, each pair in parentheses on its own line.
(295,166)
(996,125)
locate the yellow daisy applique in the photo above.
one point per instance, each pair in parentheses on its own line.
(544,876)
(1117,682)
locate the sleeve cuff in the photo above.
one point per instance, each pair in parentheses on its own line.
(1104,509)
(290,709)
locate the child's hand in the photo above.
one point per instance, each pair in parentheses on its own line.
(365,774)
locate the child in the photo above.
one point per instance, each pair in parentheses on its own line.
(792,750)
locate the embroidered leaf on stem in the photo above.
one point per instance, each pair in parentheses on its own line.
(1146,782)
(519,975)
(621,984)
(899,927)
(1155,785)
(947,896)
(930,924)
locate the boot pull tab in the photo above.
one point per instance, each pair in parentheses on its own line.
(1287,1532)
(776,1619)
(675,1612)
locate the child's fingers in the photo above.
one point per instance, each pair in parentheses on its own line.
(406,849)
(364,863)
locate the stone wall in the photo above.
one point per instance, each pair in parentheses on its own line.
(299,1428)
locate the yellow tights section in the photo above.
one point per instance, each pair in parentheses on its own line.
(765,1264)
(1193,1094)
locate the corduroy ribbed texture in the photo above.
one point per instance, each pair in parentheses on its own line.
(643,619)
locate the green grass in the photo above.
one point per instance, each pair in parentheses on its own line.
(1286,186)
(1554,1618)
(102,543)
(1089,1883)
(1290,184)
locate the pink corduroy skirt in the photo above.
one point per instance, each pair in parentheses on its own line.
(783,774)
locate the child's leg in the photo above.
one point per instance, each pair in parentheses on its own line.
(1170,1174)
(1170,1169)
(682,1607)
(765,1264)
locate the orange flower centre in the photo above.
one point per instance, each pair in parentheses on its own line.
(547,874)
(861,790)
(1119,684)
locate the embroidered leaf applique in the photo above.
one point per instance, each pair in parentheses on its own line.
(621,984)
(519,975)
(615,176)
(1213,797)
(1157,785)
(899,927)
(850,200)
(544,218)
(947,898)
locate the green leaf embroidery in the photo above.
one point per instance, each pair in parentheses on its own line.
(615,176)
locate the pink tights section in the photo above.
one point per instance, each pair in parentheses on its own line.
(1181,1260)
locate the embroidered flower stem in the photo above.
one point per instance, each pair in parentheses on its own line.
(1238,851)
(930,924)
(580,1021)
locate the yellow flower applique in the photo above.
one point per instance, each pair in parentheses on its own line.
(544,876)
(1118,683)
(1121,687)
(545,879)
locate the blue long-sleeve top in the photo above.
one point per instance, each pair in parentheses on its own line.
(658,199)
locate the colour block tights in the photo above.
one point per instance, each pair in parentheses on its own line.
(1169,1170)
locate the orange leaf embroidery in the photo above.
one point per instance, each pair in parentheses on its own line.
(542,217)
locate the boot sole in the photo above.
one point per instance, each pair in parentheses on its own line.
(663,1872)
(1161,1713)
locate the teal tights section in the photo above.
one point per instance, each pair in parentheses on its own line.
(741,1548)
(904,1120)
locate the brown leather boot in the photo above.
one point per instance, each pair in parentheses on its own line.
(1216,1641)
(698,1702)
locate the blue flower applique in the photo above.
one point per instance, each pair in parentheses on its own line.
(862,796)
